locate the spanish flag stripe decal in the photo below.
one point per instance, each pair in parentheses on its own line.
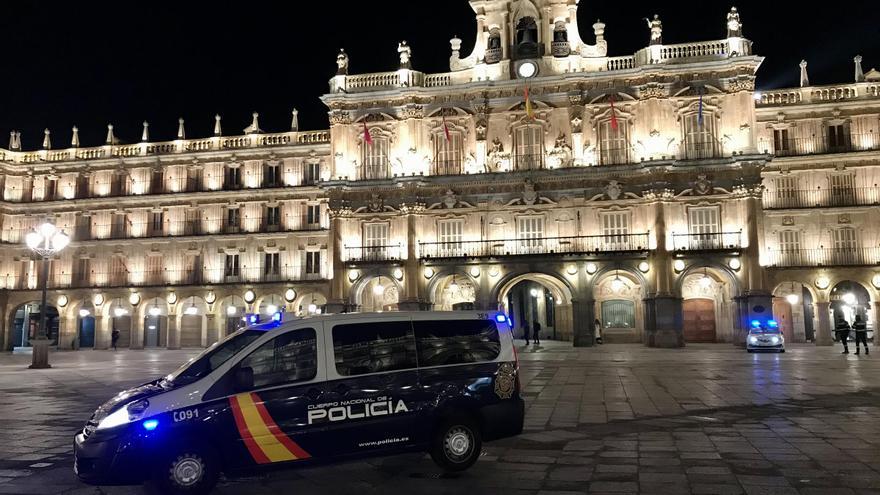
(288,443)
(252,447)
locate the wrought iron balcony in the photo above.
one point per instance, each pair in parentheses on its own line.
(585,245)
(195,276)
(820,145)
(446,167)
(853,256)
(715,241)
(373,253)
(700,149)
(533,161)
(821,198)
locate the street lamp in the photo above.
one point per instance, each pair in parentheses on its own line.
(45,242)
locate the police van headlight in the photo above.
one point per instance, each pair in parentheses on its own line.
(124,415)
(753,339)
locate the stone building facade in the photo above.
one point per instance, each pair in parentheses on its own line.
(657,195)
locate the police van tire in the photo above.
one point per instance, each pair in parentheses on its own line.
(456,444)
(187,471)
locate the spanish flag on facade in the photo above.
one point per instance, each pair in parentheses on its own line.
(530,112)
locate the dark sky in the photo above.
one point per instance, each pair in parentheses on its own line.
(91,63)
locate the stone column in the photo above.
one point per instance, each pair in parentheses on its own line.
(823,330)
(173,331)
(102,331)
(337,302)
(411,301)
(137,330)
(663,325)
(583,311)
(212,333)
(67,335)
(756,301)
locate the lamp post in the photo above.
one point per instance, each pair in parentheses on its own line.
(45,242)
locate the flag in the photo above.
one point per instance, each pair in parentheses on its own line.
(367,137)
(700,112)
(529,111)
(446,130)
(614,124)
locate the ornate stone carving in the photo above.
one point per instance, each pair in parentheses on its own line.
(450,199)
(741,83)
(339,117)
(651,90)
(530,196)
(561,153)
(613,190)
(788,221)
(844,219)
(412,112)
(376,204)
(703,185)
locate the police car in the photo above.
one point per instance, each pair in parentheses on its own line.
(765,337)
(320,389)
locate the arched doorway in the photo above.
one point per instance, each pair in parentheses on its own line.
(848,300)
(85,326)
(538,297)
(120,321)
(234,313)
(155,323)
(708,307)
(193,325)
(454,293)
(793,309)
(311,303)
(269,305)
(26,323)
(379,294)
(618,297)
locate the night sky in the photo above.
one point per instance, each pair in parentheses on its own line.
(91,63)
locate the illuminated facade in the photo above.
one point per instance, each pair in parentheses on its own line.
(624,190)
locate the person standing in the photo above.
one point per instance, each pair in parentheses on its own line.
(842,328)
(526,332)
(536,332)
(114,338)
(597,331)
(861,333)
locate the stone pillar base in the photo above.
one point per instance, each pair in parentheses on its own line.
(411,305)
(582,323)
(663,325)
(40,354)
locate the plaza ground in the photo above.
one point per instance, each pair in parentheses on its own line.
(707,419)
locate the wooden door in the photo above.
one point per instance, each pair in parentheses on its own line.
(699,320)
(783,315)
(191,331)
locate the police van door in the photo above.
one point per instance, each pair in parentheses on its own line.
(371,396)
(271,390)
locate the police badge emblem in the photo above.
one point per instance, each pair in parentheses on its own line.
(504,381)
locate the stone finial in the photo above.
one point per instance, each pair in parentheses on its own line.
(47,141)
(218,130)
(294,120)
(111,138)
(455,43)
(599,30)
(181,132)
(734,25)
(805,78)
(405,52)
(74,137)
(342,63)
(14,140)
(254,128)
(860,74)
(145,134)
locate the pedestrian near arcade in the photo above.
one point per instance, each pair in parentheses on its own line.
(597,331)
(526,332)
(536,332)
(114,338)
(861,334)
(842,328)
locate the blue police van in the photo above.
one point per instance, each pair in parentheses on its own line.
(313,390)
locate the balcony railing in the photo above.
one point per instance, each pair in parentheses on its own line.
(700,149)
(373,253)
(856,256)
(533,161)
(821,198)
(172,278)
(820,145)
(720,241)
(446,167)
(628,243)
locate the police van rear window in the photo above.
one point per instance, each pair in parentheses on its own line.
(363,348)
(456,342)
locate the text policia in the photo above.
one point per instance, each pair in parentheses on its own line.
(355,409)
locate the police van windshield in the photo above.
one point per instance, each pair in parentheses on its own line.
(212,358)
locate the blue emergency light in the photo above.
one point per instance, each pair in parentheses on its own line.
(500,318)
(773,324)
(150,424)
(756,324)
(253,319)
(277,317)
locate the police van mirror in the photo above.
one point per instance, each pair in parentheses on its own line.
(244,378)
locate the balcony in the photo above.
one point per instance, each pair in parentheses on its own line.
(821,145)
(446,167)
(175,278)
(854,256)
(720,241)
(369,254)
(700,149)
(821,198)
(533,161)
(579,245)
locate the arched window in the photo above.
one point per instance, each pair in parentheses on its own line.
(528,144)
(614,142)
(700,140)
(618,314)
(448,153)
(374,158)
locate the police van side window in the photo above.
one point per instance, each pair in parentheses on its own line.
(289,358)
(456,342)
(362,348)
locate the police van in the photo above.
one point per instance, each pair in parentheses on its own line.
(321,389)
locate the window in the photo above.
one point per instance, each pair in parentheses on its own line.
(789,241)
(232,267)
(838,138)
(83,272)
(376,234)
(313,173)
(373,347)
(704,227)
(233,178)
(781,143)
(615,228)
(528,142)
(845,239)
(375,158)
(273,216)
(618,314)
(157,223)
(456,342)
(289,358)
(449,233)
(313,263)
(313,215)
(699,138)
(271,265)
(233,218)
(447,153)
(271,176)
(842,189)
(530,232)
(155,267)
(613,143)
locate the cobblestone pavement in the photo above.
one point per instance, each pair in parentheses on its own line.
(708,419)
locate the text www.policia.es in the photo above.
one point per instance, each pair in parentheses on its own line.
(378,443)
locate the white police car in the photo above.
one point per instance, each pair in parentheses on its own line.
(313,390)
(765,337)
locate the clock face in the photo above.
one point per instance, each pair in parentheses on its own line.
(527,69)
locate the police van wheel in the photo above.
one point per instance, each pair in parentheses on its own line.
(457,444)
(190,471)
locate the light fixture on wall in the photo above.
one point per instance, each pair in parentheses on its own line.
(172,298)
(475,271)
(191,310)
(398,274)
(429,272)
(793,299)
(134,298)
(617,284)
(734,264)
(353,275)
(289,295)
(644,267)
(249,296)
(572,269)
(231,310)
(98,299)
(494,271)
(155,311)
(210,297)
(823,282)
(62,301)
(592,268)
(379,289)
(119,312)
(876,281)
(453,287)
(705,281)
(678,266)
(84,313)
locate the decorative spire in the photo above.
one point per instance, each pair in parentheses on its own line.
(805,79)
(145,134)
(860,74)
(294,121)
(47,142)
(181,132)
(110,137)
(12,140)
(74,137)
(217,129)
(254,128)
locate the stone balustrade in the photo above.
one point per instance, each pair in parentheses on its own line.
(820,94)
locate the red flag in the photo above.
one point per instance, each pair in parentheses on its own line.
(614,124)
(367,137)
(446,130)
